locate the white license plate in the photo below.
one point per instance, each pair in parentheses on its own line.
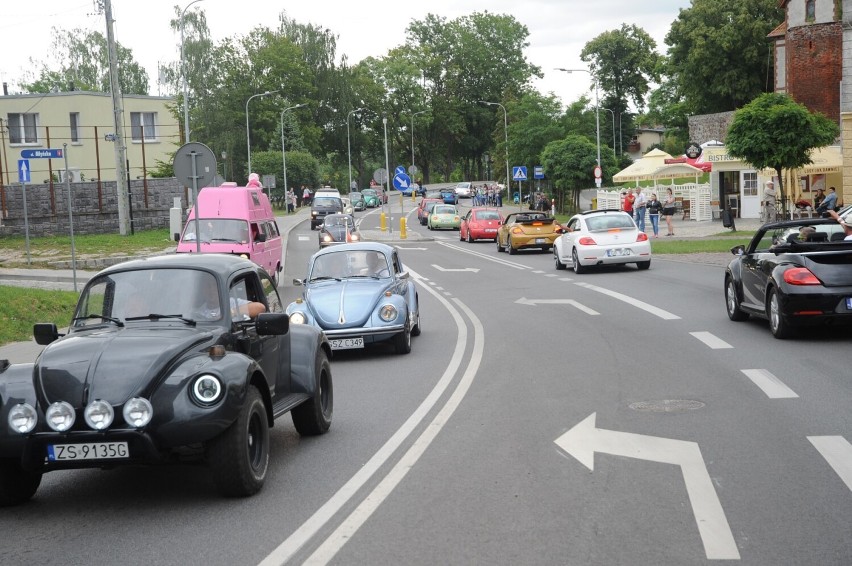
(346,343)
(490,230)
(87,451)
(541,240)
(618,252)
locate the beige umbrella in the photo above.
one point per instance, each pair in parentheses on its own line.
(653,166)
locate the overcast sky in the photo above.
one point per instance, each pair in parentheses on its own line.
(558,28)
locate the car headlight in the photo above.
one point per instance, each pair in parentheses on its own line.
(327,238)
(99,415)
(60,416)
(138,412)
(22,418)
(207,390)
(298,318)
(388,313)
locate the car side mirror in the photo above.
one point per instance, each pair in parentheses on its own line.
(298,282)
(45,333)
(738,250)
(176,236)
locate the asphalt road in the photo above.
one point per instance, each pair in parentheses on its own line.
(615,417)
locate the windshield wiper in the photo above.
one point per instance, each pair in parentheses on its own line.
(155,316)
(100,316)
(325,278)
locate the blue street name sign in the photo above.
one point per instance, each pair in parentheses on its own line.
(23,171)
(41,153)
(519,173)
(538,172)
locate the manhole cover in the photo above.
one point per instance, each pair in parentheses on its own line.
(666,405)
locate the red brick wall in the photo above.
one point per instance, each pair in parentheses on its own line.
(815,67)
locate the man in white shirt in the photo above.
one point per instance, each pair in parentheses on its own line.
(639,208)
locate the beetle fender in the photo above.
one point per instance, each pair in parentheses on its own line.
(305,342)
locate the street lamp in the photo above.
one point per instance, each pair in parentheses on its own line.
(506,134)
(284,153)
(387,173)
(412,133)
(613,127)
(183,72)
(248,135)
(224,163)
(349,144)
(597,111)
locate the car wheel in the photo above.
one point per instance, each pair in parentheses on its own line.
(509,247)
(314,417)
(575,261)
(402,341)
(415,330)
(16,484)
(499,247)
(557,261)
(643,264)
(239,457)
(461,236)
(778,325)
(469,237)
(732,304)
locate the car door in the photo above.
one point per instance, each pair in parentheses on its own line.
(756,269)
(264,349)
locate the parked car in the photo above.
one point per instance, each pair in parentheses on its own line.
(601,237)
(371,198)
(433,193)
(527,230)
(480,224)
(789,280)
(449,196)
(359,294)
(425,207)
(338,229)
(444,217)
(357,199)
(162,363)
(464,190)
(322,207)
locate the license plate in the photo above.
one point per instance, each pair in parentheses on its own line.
(490,230)
(346,343)
(618,252)
(87,451)
(849,303)
(541,240)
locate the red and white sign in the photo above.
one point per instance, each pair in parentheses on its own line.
(598,172)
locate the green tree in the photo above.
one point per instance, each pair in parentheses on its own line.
(719,55)
(775,131)
(570,163)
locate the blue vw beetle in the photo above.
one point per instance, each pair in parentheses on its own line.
(359,294)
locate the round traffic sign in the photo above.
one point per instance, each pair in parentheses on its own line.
(205,164)
(413,170)
(380,176)
(598,172)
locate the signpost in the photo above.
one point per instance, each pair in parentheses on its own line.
(42,153)
(519,173)
(598,175)
(24,178)
(196,163)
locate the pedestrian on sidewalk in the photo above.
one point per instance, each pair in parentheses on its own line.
(654,207)
(639,204)
(668,211)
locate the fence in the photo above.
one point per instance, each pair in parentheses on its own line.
(694,199)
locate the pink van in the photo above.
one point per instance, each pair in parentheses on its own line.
(234,220)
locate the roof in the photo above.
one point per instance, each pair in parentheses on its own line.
(223,264)
(780,31)
(653,166)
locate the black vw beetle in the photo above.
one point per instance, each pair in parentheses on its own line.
(166,361)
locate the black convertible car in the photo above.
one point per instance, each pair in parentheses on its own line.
(793,273)
(167,360)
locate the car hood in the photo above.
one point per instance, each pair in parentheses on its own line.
(337,232)
(112,365)
(347,304)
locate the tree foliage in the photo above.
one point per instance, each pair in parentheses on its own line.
(569,163)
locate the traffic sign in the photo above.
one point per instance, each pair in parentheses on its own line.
(413,170)
(538,172)
(401,182)
(41,153)
(380,175)
(519,173)
(598,172)
(205,165)
(400,170)
(23,171)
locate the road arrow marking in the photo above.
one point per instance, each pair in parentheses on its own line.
(711,341)
(402,248)
(838,453)
(585,439)
(439,268)
(656,311)
(769,384)
(572,302)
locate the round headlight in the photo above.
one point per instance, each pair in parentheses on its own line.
(207,389)
(60,416)
(99,415)
(388,313)
(22,418)
(138,412)
(297,318)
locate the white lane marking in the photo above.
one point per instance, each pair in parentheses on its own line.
(838,453)
(656,311)
(326,552)
(469,269)
(538,271)
(501,261)
(565,279)
(771,385)
(550,275)
(303,238)
(287,549)
(711,340)
(572,302)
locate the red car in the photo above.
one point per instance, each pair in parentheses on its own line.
(425,208)
(480,224)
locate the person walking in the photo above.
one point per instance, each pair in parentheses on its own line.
(769,199)
(627,204)
(639,204)
(654,207)
(668,211)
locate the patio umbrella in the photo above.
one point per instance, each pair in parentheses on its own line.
(653,166)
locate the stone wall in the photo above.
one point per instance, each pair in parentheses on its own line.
(706,127)
(814,67)
(94,211)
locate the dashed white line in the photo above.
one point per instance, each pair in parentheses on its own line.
(711,340)
(838,453)
(771,385)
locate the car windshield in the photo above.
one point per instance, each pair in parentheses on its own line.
(327,202)
(338,220)
(217,230)
(444,209)
(609,222)
(487,215)
(369,193)
(190,293)
(348,264)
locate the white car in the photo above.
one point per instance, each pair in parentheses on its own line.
(347,206)
(464,190)
(601,237)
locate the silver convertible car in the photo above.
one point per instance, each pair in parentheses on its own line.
(601,237)
(359,294)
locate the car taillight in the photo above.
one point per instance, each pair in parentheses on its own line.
(517,230)
(587,241)
(800,276)
(642,237)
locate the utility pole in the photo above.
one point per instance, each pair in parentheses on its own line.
(118,119)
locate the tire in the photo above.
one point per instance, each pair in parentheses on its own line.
(643,265)
(778,325)
(509,248)
(499,247)
(732,304)
(461,238)
(239,457)
(469,237)
(415,330)
(402,341)
(16,484)
(313,417)
(558,262)
(575,261)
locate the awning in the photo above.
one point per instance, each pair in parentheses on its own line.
(653,166)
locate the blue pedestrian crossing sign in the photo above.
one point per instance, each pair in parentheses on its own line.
(23,170)
(519,173)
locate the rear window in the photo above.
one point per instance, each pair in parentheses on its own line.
(487,215)
(609,222)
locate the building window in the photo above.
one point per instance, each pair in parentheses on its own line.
(74,118)
(143,122)
(750,184)
(23,128)
(810,10)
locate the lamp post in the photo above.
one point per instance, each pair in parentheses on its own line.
(248,135)
(412,133)
(284,153)
(349,144)
(506,135)
(387,172)
(613,127)
(183,73)
(224,163)
(597,111)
